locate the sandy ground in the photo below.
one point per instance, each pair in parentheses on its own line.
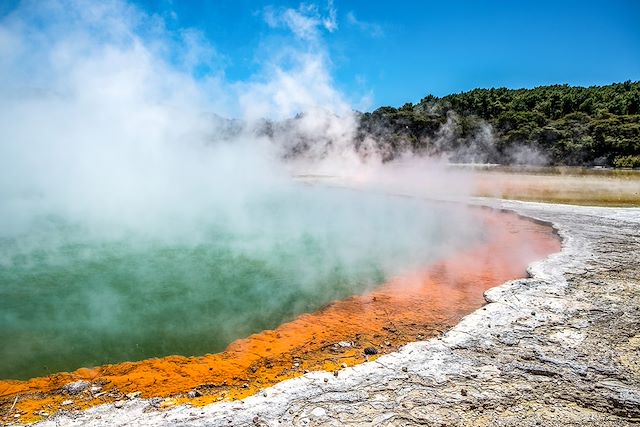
(560,348)
(579,186)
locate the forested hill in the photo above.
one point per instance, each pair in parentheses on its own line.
(560,125)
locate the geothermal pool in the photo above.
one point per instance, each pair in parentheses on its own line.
(80,294)
(334,271)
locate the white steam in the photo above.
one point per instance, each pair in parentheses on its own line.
(117,162)
(101,115)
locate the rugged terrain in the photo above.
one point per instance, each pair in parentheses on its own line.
(560,348)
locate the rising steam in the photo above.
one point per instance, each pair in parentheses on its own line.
(104,114)
(124,149)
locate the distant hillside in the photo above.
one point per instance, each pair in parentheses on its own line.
(559,125)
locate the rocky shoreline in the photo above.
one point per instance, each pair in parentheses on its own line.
(560,348)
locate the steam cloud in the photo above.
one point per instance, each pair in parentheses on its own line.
(114,140)
(103,114)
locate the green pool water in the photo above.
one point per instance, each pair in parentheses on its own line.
(73,294)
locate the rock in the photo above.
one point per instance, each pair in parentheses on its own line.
(344,365)
(67,403)
(463,392)
(133,395)
(326,380)
(370,351)
(76,387)
(194,393)
(119,404)
(405,369)
(345,344)
(319,412)
(95,389)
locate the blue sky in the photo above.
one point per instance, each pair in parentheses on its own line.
(401,51)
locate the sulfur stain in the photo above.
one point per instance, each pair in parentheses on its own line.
(409,308)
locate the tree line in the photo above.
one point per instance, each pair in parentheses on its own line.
(557,125)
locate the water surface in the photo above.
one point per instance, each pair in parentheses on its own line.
(77,294)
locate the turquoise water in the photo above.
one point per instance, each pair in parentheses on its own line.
(73,294)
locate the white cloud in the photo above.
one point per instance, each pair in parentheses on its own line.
(330,22)
(305,22)
(303,85)
(371,28)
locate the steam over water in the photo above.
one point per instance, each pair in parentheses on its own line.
(133,224)
(71,298)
